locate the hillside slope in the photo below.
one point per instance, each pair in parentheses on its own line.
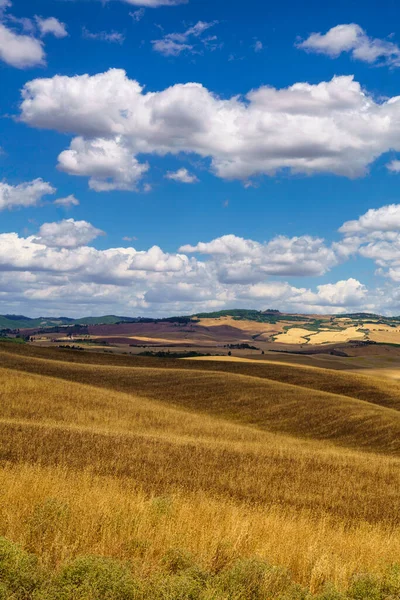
(144,463)
(252,399)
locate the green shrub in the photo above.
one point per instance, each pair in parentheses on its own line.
(390,584)
(94,578)
(330,593)
(20,574)
(245,580)
(180,578)
(365,587)
(185,586)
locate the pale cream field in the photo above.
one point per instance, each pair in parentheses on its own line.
(298,335)
(295,335)
(325,337)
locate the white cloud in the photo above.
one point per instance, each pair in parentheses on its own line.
(343,293)
(22,23)
(258,46)
(173,44)
(108,163)
(376,236)
(332,127)
(137,15)
(329,297)
(114,266)
(394,166)
(375,221)
(56,268)
(114,37)
(24,194)
(67,234)
(21,51)
(238,260)
(67,202)
(169,47)
(182,175)
(352,38)
(4,4)
(52,26)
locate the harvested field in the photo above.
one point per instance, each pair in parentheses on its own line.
(134,459)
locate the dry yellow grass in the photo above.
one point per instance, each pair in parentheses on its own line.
(389,373)
(350,333)
(269,405)
(247,326)
(63,514)
(131,461)
(297,335)
(383,335)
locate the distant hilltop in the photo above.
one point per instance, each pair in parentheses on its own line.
(13,322)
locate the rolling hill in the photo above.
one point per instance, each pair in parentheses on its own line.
(22,322)
(195,479)
(223,332)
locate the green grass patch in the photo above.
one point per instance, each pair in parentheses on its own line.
(13,340)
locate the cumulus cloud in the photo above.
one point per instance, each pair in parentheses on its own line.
(331,127)
(182,175)
(352,38)
(20,51)
(349,292)
(108,162)
(67,202)
(173,44)
(67,234)
(375,235)
(24,50)
(375,221)
(52,26)
(238,260)
(58,267)
(329,297)
(24,194)
(114,266)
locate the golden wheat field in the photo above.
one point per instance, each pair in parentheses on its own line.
(195,479)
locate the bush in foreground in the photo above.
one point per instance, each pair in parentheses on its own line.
(99,578)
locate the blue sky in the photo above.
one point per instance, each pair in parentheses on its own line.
(184,198)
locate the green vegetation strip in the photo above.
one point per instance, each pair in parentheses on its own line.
(13,340)
(98,578)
